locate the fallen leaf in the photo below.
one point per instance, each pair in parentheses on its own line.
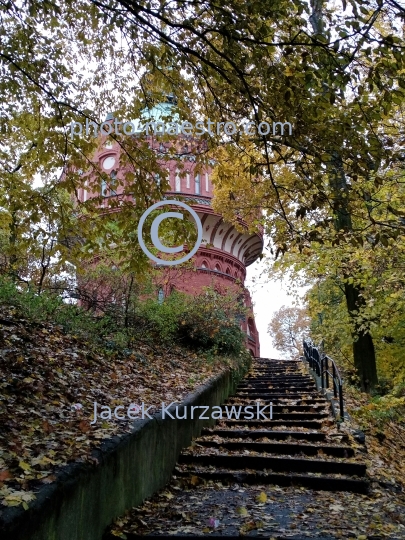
(84,426)
(194,480)
(261,498)
(49,479)
(46,426)
(336,508)
(213,523)
(241,510)
(5,475)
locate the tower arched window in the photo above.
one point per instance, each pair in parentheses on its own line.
(177,181)
(250,328)
(104,188)
(113,183)
(197,184)
(207,186)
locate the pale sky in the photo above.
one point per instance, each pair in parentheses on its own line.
(268,296)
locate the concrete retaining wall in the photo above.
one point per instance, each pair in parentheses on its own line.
(85,499)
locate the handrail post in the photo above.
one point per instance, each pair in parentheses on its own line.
(322,374)
(327,371)
(341,402)
(316,359)
(334,380)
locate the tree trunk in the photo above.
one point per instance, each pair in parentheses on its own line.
(128,301)
(363,347)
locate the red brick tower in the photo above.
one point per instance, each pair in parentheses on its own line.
(224,253)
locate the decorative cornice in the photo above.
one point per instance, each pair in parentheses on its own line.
(206,201)
(217,273)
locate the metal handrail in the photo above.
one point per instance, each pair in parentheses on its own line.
(321,365)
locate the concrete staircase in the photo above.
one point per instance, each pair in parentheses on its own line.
(292,448)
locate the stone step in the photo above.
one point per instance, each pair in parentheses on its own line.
(282,372)
(260,433)
(274,464)
(267,384)
(275,364)
(319,483)
(273,386)
(277,393)
(282,387)
(262,380)
(282,448)
(275,382)
(275,361)
(279,407)
(276,375)
(271,380)
(285,391)
(309,424)
(281,378)
(275,415)
(276,371)
(279,401)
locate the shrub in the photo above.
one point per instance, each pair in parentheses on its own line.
(51,308)
(208,322)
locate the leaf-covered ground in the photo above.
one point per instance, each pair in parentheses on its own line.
(265,511)
(384,427)
(49,382)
